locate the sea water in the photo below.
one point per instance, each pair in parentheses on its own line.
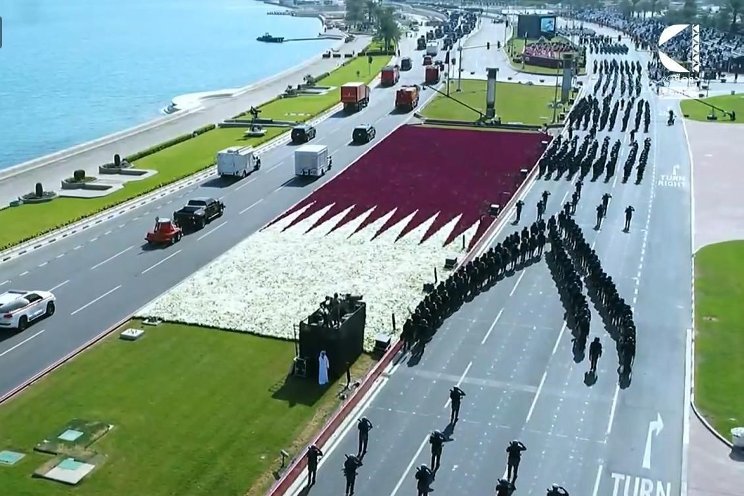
(76,70)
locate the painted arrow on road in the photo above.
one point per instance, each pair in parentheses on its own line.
(654,428)
(675,169)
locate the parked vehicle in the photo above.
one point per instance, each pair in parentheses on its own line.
(364,133)
(427,60)
(431,75)
(406,64)
(407,98)
(303,133)
(20,308)
(312,160)
(389,75)
(236,161)
(165,232)
(354,96)
(198,212)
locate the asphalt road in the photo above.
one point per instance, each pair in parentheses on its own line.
(105,273)
(509,351)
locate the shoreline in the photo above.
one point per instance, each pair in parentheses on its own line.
(216,96)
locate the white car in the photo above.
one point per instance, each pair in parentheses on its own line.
(20,308)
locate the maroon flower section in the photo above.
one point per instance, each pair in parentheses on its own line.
(430,171)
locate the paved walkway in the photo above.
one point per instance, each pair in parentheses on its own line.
(714,469)
(50,170)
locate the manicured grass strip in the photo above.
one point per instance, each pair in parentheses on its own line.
(526,104)
(304,107)
(196,412)
(719,342)
(699,112)
(176,162)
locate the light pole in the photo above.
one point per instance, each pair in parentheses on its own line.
(555,93)
(459,66)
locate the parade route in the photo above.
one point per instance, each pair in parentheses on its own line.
(511,353)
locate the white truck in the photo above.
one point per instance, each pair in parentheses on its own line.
(432,49)
(236,161)
(312,160)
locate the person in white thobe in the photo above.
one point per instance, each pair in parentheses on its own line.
(323,366)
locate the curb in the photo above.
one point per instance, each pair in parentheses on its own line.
(40,375)
(139,201)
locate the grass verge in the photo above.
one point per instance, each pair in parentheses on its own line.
(176,162)
(697,111)
(516,103)
(719,341)
(195,412)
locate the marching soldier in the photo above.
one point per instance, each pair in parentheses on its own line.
(606,200)
(628,216)
(313,454)
(595,351)
(519,206)
(556,490)
(456,396)
(364,426)
(503,488)
(436,439)
(351,465)
(545,195)
(514,457)
(424,476)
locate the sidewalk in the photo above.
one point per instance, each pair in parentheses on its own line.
(52,169)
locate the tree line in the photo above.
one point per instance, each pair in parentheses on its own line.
(372,16)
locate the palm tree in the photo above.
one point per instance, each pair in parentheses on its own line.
(388,29)
(736,8)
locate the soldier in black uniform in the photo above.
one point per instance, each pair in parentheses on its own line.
(628,216)
(606,200)
(514,457)
(600,214)
(540,209)
(595,351)
(436,439)
(456,395)
(556,490)
(424,477)
(351,465)
(364,426)
(578,185)
(545,195)
(519,206)
(503,487)
(313,454)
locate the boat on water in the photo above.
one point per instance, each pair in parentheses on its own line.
(270,39)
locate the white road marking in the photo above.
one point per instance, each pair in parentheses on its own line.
(612,410)
(42,264)
(21,343)
(537,395)
(558,341)
(59,285)
(485,338)
(410,464)
(107,232)
(4,282)
(94,239)
(77,247)
(248,182)
(23,273)
(95,300)
(596,481)
(459,382)
(111,258)
(511,293)
(163,260)
(210,231)
(250,207)
(60,255)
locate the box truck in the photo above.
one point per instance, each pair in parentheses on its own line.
(312,160)
(354,96)
(236,161)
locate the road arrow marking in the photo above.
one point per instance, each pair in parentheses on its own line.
(675,169)
(654,427)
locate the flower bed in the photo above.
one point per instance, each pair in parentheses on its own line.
(379,229)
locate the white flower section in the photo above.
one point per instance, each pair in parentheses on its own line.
(269,282)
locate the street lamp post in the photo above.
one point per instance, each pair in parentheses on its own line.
(555,93)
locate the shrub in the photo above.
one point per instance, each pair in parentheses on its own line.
(39,190)
(117,160)
(167,144)
(79,175)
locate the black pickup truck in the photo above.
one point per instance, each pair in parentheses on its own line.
(198,212)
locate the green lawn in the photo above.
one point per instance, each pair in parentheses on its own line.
(303,107)
(195,412)
(514,103)
(517,45)
(700,112)
(719,342)
(176,162)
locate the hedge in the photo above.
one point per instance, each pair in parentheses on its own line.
(167,144)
